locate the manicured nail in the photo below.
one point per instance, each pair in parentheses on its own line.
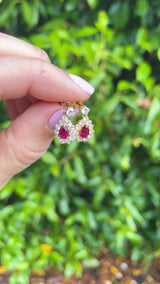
(82,83)
(56,117)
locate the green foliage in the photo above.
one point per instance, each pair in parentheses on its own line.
(81,197)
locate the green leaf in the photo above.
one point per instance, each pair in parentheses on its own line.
(136,254)
(82,254)
(134,237)
(63,207)
(133,209)
(126,85)
(69,269)
(91,220)
(78,269)
(141,36)
(143,71)
(49,158)
(80,170)
(70,174)
(6,14)
(92,3)
(86,31)
(30,12)
(119,14)
(40,40)
(141,7)
(158,53)
(102,21)
(99,195)
(153,112)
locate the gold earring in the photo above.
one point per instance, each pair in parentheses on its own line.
(84,127)
(65,130)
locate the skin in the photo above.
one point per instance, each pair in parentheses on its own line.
(33,89)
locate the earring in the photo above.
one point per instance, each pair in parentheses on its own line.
(65,130)
(84,128)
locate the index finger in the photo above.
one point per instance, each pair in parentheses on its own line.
(11,46)
(21,76)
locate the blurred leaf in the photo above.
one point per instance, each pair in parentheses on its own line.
(143,71)
(102,21)
(141,35)
(79,170)
(92,3)
(141,7)
(63,207)
(69,269)
(49,158)
(158,53)
(125,85)
(6,14)
(153,112)
(91,220)
(119,11)
(30,12)
(86,31)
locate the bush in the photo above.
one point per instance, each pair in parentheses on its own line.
(81,197)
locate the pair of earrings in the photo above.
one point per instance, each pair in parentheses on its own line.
(66,132)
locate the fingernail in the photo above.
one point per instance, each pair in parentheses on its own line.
(56,117)
(82,83)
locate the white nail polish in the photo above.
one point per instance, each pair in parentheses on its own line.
(82,83)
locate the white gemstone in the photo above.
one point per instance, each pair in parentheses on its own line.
(70,111)
(60,122)
(56,131)
(85,110)
(65,118)
(72,138)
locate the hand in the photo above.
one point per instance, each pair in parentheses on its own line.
(33,89)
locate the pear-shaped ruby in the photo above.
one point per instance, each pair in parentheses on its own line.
(63,132)
(84,132)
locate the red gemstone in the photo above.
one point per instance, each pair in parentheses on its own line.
(84,132)
(63,132)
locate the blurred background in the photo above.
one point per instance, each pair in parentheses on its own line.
(83,197)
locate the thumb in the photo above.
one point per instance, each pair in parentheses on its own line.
(27,138)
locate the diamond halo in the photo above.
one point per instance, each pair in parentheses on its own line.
(65,130)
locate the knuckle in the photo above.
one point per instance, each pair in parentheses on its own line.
(31,155)
(43,55)
(21,155)
(15,157)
